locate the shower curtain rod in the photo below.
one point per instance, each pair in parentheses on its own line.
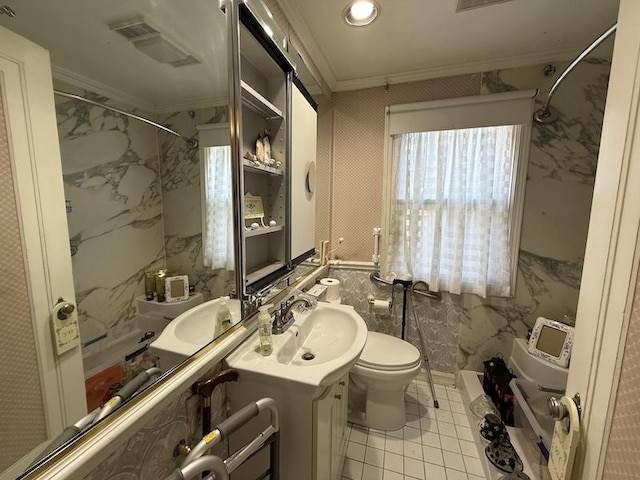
(191,142)
(544,115)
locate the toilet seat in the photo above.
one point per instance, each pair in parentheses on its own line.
(387,353)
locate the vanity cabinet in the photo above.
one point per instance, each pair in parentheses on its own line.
(273,146)
(330,430)
(313,426)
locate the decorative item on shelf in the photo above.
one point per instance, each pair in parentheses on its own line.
(253,210)
(491,427)
(266,147)
(176,288)
(272,223)
(160,287)
(260,150)
(149,285)
(251,157)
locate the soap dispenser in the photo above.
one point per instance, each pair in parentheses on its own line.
(264,330)
(224,314)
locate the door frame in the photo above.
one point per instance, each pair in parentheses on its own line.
(35,156)
(611,257)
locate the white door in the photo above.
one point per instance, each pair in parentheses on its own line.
(36,266)
(609,274)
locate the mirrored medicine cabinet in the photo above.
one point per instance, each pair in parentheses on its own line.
(217,184)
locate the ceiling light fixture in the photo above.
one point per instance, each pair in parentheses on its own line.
(361,13)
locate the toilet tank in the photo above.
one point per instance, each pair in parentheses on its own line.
(535,369)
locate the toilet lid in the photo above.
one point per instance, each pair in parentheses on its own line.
(385,352)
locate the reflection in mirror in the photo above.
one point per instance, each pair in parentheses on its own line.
(144,206)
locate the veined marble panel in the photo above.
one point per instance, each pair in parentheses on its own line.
(181,199)
(111,178)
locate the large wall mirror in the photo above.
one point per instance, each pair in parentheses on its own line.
(136,194)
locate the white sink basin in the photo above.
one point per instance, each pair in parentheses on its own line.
(190,331)
(333,334)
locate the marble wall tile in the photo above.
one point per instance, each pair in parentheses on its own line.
(181,200)
(111,178)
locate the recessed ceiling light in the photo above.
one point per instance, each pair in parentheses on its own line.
(361,13)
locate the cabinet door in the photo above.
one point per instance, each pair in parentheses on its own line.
(339,447)
(304,124)
(260,80)
(325,435)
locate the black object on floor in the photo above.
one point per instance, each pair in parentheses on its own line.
(503,456)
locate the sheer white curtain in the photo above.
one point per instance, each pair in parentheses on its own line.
(218,235)
(452,192)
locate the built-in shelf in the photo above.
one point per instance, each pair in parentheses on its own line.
(252,99)
(253,167)
(262,231)
(255,275)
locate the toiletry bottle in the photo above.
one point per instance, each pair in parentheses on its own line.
(224,314)
(264,331)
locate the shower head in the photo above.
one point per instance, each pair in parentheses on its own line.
(546,114)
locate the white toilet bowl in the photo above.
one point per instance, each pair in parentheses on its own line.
(385,367)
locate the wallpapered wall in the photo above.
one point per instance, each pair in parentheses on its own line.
(559,187)
(623,452)
(22,412)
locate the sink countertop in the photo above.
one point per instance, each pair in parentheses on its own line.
(335,334)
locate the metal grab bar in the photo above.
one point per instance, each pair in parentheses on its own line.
(375,277)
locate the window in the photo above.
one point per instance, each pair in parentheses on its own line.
(454,200)
(217,248)
(217,200)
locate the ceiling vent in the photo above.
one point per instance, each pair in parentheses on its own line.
(133,28)
(152,42)
(469,4)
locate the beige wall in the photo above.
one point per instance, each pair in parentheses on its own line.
(21,409)
(358,155)
(623,451)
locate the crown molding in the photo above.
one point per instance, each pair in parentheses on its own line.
(297,22)
(80,81)
(464,68)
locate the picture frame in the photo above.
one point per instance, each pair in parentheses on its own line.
(253,207)
(176,288)
(552,341)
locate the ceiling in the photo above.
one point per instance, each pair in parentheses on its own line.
(418,39)
(411,40)
(86,52)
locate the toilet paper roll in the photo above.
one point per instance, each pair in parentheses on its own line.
(333,288)
(381,307)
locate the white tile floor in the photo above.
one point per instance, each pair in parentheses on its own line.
(435,444)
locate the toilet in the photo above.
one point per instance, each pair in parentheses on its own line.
(378,379)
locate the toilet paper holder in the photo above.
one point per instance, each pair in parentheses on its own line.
(375,304)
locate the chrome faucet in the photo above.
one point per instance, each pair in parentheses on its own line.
(283,318)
